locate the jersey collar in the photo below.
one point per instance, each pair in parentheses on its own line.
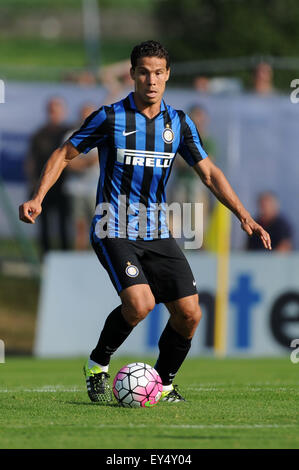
(133,105)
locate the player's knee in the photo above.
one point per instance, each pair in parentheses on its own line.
(143,308)
(191,316)
(138,309)
(197,315)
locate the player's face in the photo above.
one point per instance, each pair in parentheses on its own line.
(150,76)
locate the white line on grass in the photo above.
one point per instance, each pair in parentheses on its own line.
(196,387)
(164,426)
(240,384)
(245,389)
(203,426)
(47,389)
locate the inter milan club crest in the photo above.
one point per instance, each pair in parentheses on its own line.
(131,270)
(168,135)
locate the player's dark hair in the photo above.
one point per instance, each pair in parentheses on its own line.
(149,49)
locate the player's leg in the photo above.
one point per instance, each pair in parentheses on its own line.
(173,284)
(175,342)
(137,302)
(122,264)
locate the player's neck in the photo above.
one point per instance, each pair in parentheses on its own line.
(149,110)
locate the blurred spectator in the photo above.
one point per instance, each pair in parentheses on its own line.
(200,117)
(81,186)
(83,78)
(263,79)
(42,144)
(116,79)
(202,84)
(274,222)
(225,86)
(217,85)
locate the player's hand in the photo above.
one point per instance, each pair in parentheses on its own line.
(251,227)
(29,211)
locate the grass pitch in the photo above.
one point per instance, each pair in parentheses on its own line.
(232,404)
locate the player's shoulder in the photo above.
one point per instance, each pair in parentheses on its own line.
(173,112)
(104,115)
(181,116)
(99,116)
(103,109)
(124,101)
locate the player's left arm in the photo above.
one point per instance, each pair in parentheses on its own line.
(215,180)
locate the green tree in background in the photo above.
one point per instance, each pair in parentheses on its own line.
(201,29)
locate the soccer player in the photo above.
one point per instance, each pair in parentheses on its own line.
(138,139)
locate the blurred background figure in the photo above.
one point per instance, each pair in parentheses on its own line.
(263,79)
(42,144)
(199,115)
(201,84)
(217,85)
(84,78)
(81,185)
(117,80)
(274,222)
(185,185)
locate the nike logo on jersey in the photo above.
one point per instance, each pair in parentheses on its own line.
(129,133)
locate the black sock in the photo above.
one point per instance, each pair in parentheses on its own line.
(173,350)
(114,333)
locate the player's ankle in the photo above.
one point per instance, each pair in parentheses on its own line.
(92,363)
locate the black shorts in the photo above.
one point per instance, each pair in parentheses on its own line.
(159,263)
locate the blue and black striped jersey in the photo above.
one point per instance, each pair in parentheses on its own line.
(136,155)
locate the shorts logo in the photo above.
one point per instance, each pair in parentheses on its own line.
(131,270)
(168,135)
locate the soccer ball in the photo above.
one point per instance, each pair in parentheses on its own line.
(137,385)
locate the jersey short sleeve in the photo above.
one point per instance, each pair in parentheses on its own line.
(92,132)
(191,147)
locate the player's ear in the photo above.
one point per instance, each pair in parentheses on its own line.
(132,73)
(167,74)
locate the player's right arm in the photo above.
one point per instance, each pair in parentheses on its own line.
(30,210)
(91,134)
